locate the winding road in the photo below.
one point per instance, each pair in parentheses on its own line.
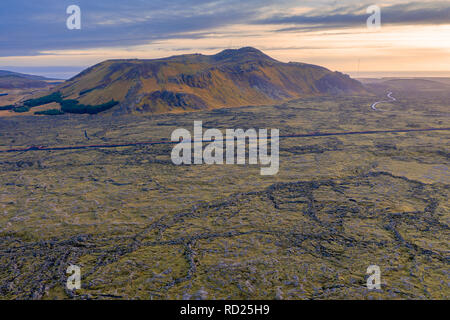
(389,95)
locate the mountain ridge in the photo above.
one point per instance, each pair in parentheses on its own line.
(24,75)
(14,80)
(230,78)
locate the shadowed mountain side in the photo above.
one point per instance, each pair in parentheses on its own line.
(230,78)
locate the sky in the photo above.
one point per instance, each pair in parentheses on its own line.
(413,38)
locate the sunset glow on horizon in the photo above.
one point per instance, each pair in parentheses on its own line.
(286,32)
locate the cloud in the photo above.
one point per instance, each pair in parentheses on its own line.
(423,13)
(30,28)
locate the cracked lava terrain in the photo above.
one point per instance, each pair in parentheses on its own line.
(140,227)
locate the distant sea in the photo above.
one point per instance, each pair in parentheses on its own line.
(398,74)
(68,72)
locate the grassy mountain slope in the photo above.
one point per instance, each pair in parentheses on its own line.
(230,78)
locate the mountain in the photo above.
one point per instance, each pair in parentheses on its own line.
(230,78)
(410,87)
(23,75)
(14,80)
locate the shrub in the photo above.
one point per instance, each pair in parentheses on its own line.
(21,109)
(10,107)
(54,97)
(50,112)
(72,106)
(86,91)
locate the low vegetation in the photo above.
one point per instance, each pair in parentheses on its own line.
(140,227)
(54,97)
(9,107)
(21,109)
(67,106)
(50,112)
(73,106)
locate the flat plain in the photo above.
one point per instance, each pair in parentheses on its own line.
(142,228)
